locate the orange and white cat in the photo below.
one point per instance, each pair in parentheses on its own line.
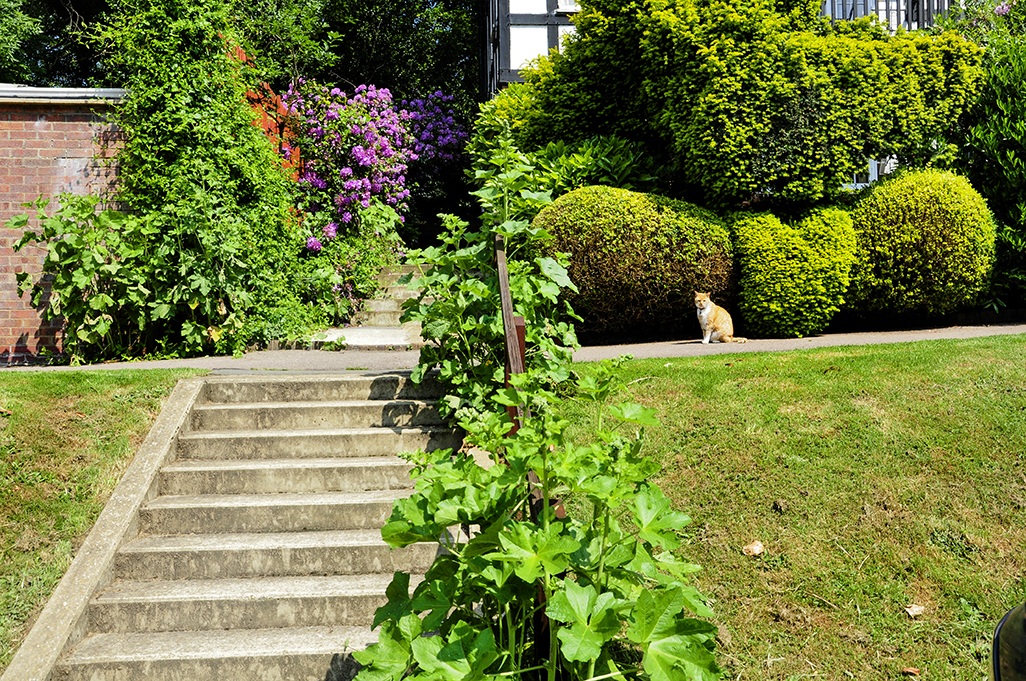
(715,321)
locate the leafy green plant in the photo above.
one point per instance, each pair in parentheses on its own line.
(109,280)
(637,259)
(559,167)
(925,244)
(604,582)
(992,143)
(793,276)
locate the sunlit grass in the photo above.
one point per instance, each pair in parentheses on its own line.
(877,477)
(65,439)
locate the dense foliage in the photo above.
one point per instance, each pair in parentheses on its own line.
(792,276)
(410,47)
(531,595)
(212,181)
(992,144)
(43,43)
(458,303)
(925,245)
(15,27)
(749,102)
(209,245)
(637,259)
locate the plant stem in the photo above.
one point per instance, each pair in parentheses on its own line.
(601,568)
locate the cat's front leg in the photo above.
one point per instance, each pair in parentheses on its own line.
(706,337)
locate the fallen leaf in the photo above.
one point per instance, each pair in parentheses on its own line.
(6,412)
(753,549)
(910,671)
(915,610)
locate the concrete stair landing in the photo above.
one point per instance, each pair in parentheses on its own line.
(260,556)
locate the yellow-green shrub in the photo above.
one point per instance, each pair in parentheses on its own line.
(793,277)
(637,259)
(756,99)
(925,244)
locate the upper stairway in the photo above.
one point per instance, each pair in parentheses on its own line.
(377,325)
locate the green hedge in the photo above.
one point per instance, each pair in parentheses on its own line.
(925,244)
(637,259)
(755,100)
(793,277)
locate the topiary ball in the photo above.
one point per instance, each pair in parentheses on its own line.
(637,259)
(793,277)
(925,244)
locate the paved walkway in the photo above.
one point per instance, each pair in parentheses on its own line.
(378,360)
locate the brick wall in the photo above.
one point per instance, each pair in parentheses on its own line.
(47,146)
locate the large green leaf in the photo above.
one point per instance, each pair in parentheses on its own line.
(592,618)
(657,522)
(679,657)
(534,550)
(655,615)
(399,604)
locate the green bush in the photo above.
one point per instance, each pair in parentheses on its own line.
(925,244)
(752,100)
(992,147)
(637,259)
(508,112)
(793,277)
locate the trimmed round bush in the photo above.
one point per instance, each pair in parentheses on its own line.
(925,245)
(793,276)
(637,259)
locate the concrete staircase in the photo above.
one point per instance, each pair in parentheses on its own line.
(260,556)
(385,309)
(377,326)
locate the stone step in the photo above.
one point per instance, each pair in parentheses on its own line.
(399,293)
(270,476)
(313,388)
(383,305)
(310,415)
(249,513)
(390,277)
(294,654)
(213,556)
(378,318)
(261,602)
(321,443)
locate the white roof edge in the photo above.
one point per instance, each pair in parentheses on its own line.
(24,94)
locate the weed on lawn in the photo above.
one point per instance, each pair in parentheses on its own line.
(887,484)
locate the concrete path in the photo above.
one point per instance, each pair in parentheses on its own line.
(357,360)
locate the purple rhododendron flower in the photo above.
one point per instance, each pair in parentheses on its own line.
(330,230)
(1003,9)
(312,244)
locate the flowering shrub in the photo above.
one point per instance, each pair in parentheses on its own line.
(356,155)
(437,134)
(354,149)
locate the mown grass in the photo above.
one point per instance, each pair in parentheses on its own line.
(65,439)
(877,478)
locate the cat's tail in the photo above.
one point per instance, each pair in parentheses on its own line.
(739,339)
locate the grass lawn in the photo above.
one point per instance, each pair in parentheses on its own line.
(877,478)
(65,439)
